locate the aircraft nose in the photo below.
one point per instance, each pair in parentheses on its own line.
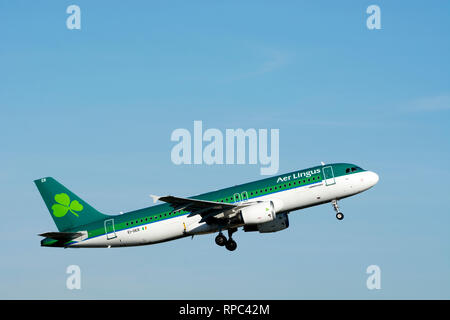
(373,178)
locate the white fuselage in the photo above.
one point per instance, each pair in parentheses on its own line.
(285,201)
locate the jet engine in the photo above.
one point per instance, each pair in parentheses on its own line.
(280,223)
(258,213)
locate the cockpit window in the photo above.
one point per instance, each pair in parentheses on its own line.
(353,169)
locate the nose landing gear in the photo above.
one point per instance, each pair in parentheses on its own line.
(339,214)
(229,243)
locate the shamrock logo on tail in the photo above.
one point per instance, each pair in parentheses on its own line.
(64,205)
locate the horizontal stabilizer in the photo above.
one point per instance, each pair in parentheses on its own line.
(61,235)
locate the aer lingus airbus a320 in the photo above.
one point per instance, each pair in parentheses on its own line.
(261,206)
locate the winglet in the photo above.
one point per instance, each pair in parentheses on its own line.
(155,198)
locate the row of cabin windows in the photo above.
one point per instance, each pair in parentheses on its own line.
(150,218)
(279,187)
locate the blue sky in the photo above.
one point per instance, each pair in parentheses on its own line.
(95,109)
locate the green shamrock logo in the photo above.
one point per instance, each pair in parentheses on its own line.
(64,204)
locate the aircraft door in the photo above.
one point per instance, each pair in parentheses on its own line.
(109,229)
(328,175)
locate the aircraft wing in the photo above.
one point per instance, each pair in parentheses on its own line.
(204,208)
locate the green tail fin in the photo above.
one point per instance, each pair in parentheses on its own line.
(66,208)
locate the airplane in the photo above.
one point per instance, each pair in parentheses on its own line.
(260,206)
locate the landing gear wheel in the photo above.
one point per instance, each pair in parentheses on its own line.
(221,240)
(339,214)
(231,245)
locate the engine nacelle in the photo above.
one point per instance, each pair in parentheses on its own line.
(280,223)
(258,213)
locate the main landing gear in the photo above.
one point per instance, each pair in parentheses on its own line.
(339,214)
(229,243)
